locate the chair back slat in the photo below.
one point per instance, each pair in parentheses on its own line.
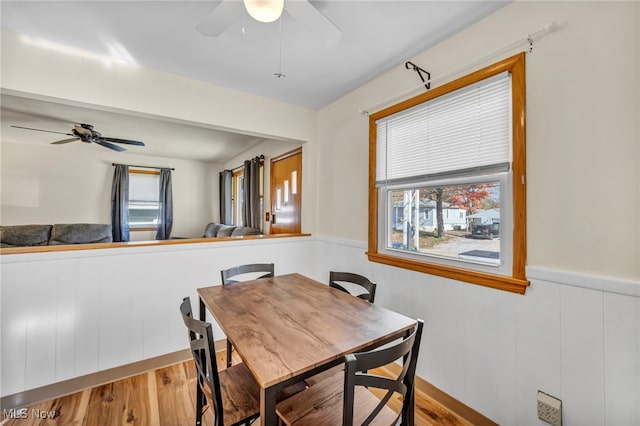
(267,270)
(388,354)
(336,277)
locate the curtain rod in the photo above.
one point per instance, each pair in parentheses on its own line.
(261,156)
(549,27)
(144,167)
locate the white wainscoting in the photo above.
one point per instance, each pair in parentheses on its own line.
(66,314)
(72,313)
(573,336)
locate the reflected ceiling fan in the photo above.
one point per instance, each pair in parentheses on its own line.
(85,133)
(268,11)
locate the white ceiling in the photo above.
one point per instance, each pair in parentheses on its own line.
(163,138)
(376,35)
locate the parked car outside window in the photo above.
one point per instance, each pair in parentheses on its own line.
(487,231)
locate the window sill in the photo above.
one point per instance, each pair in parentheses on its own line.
(500,282)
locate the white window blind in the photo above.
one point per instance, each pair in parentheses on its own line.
(144,187)
(468,129)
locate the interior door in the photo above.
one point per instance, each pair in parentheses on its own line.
(286,193)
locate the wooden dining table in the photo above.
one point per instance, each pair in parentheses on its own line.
(289,327)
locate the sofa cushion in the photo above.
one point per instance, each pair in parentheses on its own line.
(24,235)
(212,230)
(80,233)
(245,230)
(225,231)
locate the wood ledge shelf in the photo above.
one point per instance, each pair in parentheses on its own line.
(154,243)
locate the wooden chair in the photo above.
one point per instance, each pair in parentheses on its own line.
(241,402)
(347,400)
(370,287)
(267,270)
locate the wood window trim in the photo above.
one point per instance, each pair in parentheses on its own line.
(144,172)
(142,228)
(517,282)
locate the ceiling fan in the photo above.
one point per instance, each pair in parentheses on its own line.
(85,133)
(301,10)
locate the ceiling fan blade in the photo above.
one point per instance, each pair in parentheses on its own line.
(109,145)
(40,130)
(125,141)
(311,18)
(219,18)
(64,141)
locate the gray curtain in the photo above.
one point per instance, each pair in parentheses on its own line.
(165,214)
(251,214)
(226,208)
(120,203)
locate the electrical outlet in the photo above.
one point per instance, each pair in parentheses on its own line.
(549,409)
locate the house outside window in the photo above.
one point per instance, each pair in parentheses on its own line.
(447,192)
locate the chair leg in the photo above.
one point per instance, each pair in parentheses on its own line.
(199,404)
(229,350)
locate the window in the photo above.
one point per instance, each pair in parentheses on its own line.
(237,200)
(238,196)
(447,194)
(144,196)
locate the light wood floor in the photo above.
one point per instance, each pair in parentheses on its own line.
(166,397)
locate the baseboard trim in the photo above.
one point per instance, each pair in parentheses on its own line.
(77,384)
(460,409)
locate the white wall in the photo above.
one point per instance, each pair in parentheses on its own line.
(494,350)
(41,72)
(53,184)
(582,132)
(576,332)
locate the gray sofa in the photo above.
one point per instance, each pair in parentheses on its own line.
(58,234)
(217,230)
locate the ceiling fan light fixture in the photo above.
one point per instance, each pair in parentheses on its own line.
(264,10)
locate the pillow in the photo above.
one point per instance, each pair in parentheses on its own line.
(225,231)
(211,231)
(80,233)
(245,230)
(24,235)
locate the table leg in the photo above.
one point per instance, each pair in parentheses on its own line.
(268,416)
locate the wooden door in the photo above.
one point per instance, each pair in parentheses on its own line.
(286,193)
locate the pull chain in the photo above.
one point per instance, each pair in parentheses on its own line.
(242,29)
(280,74)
